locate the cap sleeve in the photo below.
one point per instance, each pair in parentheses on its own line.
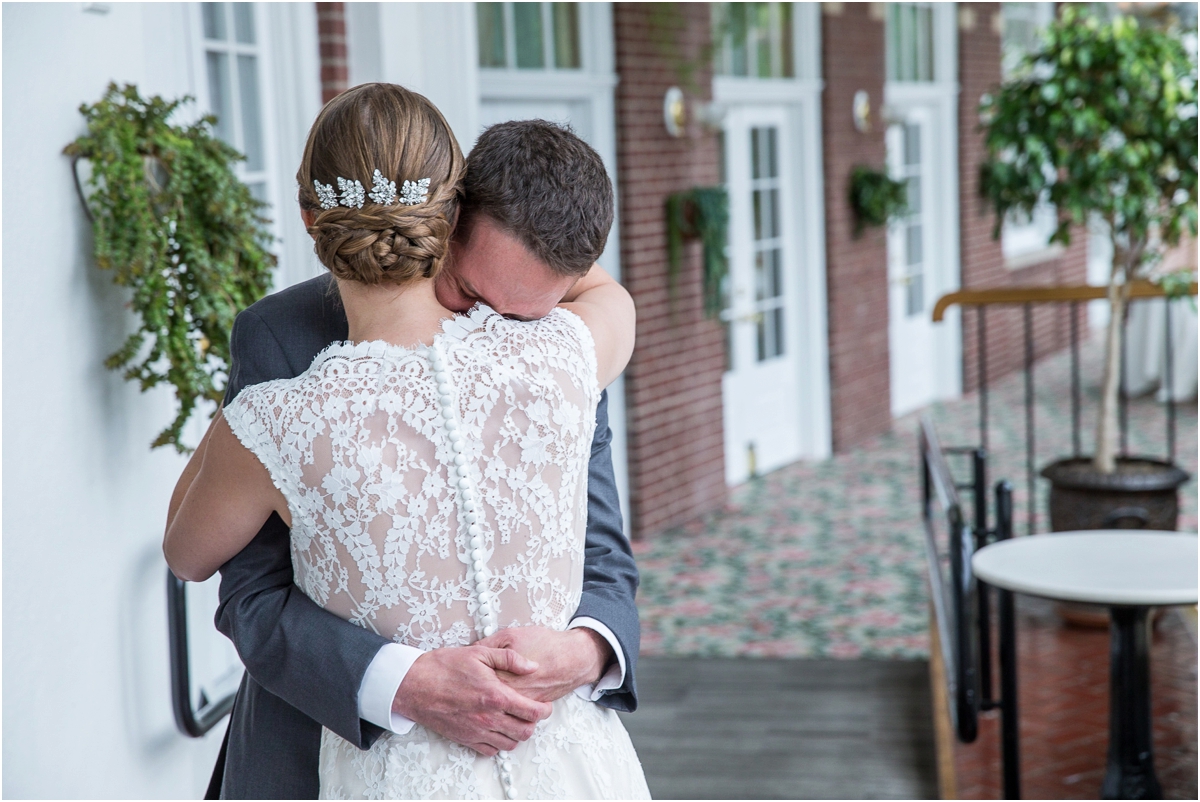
(578,339)
(256,418)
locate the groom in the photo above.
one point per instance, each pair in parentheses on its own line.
(538,203)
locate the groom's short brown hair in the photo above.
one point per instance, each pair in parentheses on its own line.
(544,185)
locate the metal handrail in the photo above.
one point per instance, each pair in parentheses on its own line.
(955,607)
(191,722)
(1021,295)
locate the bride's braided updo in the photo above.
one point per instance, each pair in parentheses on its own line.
(382,127)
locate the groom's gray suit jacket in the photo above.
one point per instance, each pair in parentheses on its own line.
(304,664)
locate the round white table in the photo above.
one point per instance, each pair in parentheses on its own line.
(1129,571)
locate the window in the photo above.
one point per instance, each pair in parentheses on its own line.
(911,228)
(528,36)
(1022,32)
(231,60)
(753,40)
(726,288)
(768,241)
(910,42)
(1023,23)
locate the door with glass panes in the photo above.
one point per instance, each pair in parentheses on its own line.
(760,385)
(910,274)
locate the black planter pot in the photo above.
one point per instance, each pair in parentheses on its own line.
(1141,494)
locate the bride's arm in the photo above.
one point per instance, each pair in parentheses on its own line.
(220,510)
(607,309)
(189,471)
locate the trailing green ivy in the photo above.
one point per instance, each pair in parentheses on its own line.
(875,198)
(700,212)
(173,223)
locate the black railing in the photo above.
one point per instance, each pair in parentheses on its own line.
(952,591)
(190,721)
(972,643)
(1010,753)
(962,606)
(1026,298)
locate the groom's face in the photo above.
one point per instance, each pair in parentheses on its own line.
(491,265)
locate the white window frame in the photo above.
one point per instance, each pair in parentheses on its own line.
(724,52)
(289,88)
(801,96)
(1025,239)
(510,43)
(937,71)
(942,247)
(1040,14)
(233,49)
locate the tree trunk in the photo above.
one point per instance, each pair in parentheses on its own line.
(1106,426)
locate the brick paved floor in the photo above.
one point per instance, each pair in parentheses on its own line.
(1063,696)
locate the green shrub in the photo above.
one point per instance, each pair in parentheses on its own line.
(173,223)
(875,198)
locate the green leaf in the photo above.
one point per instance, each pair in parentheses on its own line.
(172,223)
(875,198)
(701,212)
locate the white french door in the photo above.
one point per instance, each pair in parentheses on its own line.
(761,383)
(921,107)
(910,327)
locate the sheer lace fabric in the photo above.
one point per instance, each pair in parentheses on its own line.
(358,447)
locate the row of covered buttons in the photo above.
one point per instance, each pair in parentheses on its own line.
(477,570)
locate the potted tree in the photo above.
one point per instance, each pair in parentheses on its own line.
(1101,120)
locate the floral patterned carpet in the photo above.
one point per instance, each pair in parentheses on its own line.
(826,559)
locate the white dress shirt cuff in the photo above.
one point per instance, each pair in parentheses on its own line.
(615,676)
(380,683)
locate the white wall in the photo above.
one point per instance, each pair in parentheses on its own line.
(427,47)
(86,686)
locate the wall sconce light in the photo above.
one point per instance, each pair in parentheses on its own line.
(674,111)
(710,116)
(891,115)
(862,111)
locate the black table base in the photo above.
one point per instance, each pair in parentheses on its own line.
(1130,773)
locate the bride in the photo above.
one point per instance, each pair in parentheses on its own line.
(432,468)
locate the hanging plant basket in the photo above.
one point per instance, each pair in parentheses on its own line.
(875,198)
(172,223)
(700,213)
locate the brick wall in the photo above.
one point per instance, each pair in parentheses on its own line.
(673,383)
(982,261)
(331,42)
(853,59)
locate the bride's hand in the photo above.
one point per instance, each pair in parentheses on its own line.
(566,660)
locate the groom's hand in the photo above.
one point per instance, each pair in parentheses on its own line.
(566,660)
(455,692)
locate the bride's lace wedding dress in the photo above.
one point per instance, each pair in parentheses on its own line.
(437,493)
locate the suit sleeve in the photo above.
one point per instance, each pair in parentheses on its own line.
(294,648)
(610,576)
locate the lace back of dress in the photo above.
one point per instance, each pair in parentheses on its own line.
(374,477)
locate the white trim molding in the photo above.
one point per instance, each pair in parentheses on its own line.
(801,98)
(940,98)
